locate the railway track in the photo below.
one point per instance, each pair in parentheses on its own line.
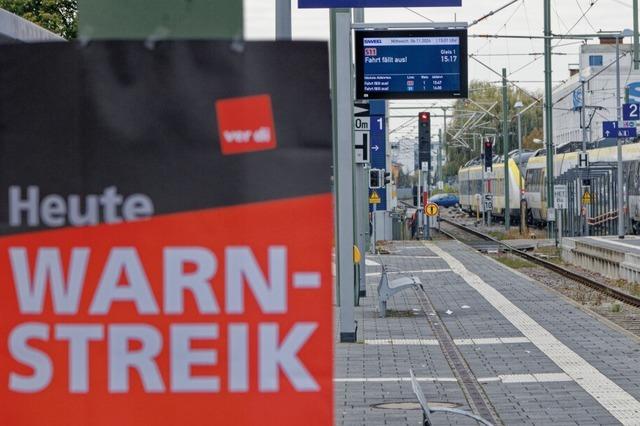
(605,289)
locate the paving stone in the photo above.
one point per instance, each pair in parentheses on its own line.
(471,316)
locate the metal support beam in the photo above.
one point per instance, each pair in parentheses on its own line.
(415,25)
(343,156)
(505,149)
(636,37)
(362,204)
(283,20)
(548,108)
(621,227)
(440,159)
(583,123)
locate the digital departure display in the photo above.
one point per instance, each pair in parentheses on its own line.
(415,64)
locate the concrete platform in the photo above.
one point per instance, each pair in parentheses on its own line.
(530,244)
(538,358)
(609,256)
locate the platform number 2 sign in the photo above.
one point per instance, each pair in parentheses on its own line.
(631,112)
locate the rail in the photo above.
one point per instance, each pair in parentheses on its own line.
(598,286)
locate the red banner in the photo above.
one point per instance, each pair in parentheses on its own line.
(147,276)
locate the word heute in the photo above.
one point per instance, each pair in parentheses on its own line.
(135,347)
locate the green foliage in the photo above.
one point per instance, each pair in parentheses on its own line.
(486,94)
(58,16)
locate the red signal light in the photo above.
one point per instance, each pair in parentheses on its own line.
(424,117)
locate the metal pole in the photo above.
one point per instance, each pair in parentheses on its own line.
(373,230)
(362,203)
(440,147)
(505,149)
(636,37)
(428,191)
(548,108)
(343,155)
(443,135)
(420,206)
(484,169)
(621,230)
(444,132)
(283,19)
(583,115)
(519,138)
(583,119)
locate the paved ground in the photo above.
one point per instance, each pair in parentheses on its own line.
(538,358)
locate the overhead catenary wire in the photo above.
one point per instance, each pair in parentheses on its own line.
(418,13)
(493,12)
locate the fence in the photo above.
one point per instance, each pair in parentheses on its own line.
(592,201)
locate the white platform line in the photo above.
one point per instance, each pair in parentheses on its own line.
(409,257)
(534,378)
(392,379)
(306,280)
(371,263)
(433,342)
(424,271)
(506,379)
(402,342)
(612,397)
(491,341)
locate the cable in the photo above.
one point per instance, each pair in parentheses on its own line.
(560,21)
(493,12)
(419,14)
(597,74)
(508,81)
(526,15)
(587,19)
(584,13)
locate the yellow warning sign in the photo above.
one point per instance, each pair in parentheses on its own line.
(431,210)
(586,197)
(374,198)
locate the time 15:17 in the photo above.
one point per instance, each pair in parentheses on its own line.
(448,58)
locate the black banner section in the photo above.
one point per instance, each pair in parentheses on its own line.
(115,131)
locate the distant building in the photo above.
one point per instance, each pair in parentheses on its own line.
(600,91)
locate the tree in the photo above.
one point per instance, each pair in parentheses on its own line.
(527,141)
(485,95)
(58,16)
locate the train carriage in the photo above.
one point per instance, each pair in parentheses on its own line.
(470,183)
(536,179)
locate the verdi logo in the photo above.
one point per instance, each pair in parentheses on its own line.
(246,124)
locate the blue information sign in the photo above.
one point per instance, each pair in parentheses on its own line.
(379,145)
(610,129)
(322,4)
(631,112)
(424,64)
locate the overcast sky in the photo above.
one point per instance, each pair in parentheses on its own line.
(525,17)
